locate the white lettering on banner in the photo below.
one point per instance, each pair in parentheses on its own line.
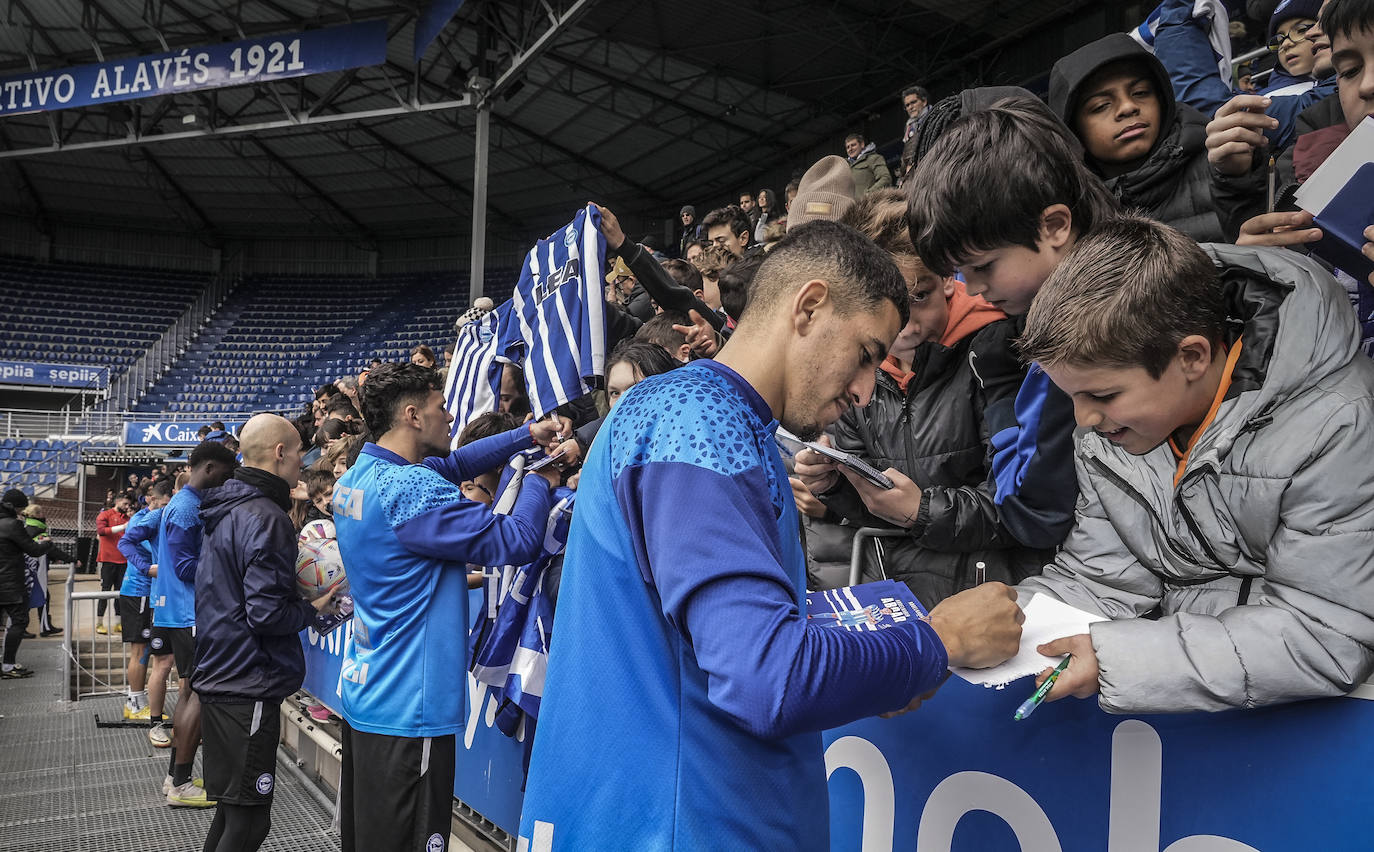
(16,371)
(479,692)
(1133,814)
(70,82)
(880,796)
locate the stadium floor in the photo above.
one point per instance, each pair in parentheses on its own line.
(67,785)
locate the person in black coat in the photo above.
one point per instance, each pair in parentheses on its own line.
(15,544)
(248,615)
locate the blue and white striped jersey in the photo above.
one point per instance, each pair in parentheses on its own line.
(557,325)
(474,379)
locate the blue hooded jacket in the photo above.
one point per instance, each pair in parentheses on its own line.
(248,611)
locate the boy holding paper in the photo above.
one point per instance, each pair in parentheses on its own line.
(1225,482)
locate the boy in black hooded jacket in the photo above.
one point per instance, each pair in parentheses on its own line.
(1149,149)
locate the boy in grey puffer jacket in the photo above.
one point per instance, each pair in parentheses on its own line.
(1226,478)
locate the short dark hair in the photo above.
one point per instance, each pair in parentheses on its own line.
(858,136)
(1125,296)
(203,431)
(317,481)
(329,389)
(1347,17)
(659,329)
(734,282)
(332,429)
(161,488)
(423,351)
(341,407)
(648,359)
(860,274)
(211,451)
(390,387)
(683,273)
(920,91)
(1018,156)
(487,425)
(218,424)
(731,216)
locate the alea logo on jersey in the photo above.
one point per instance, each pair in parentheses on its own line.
(570,271)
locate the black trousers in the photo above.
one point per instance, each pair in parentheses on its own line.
(396,793)
(19,622)
(111,578)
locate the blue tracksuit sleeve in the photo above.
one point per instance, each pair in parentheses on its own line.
(481,456)
(1032,461)
(129,545)
(184,547)
(272,606)
(723,586)
(434,519)
(1181,44)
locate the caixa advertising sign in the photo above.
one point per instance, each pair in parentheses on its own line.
(167,433)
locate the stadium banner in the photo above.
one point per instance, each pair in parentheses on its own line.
(255,60)
(959,775)
(434,16)
(54,375)
(169,433)
(490,772)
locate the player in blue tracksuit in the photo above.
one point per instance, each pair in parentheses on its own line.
(173,596)
(406,534)
(135,615)
(686,690)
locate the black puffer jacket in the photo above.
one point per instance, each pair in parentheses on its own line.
(935,434)
(1174,183)
(15,544)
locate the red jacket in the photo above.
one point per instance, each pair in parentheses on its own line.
(109,540)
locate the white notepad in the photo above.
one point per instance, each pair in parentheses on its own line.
(1046,620)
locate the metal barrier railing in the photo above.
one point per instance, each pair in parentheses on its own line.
(856,555)
(93,663)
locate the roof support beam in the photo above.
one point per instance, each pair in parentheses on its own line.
(558,24)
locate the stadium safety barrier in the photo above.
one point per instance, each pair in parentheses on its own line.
(959,775)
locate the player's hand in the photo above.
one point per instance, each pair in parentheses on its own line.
(917,701)
(549,433)
(1368,249)
(325,603)
(1236,132)
(806,501)
(552,475)
(1278,229)
(152,569)
(815,471)
(701,337)
(610,228)
(299,492)
(897,505)
(981,626)
(1080,678)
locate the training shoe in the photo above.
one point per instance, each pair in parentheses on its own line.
(118,628)
(158,736)
(167,784)
(17,672)
(188,795)
(51,631)
(140,715)
(100,628)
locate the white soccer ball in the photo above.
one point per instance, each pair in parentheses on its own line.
(317,529)
(319,567)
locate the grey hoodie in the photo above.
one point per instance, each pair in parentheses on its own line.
(1260,562)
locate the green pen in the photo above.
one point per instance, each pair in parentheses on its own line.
(1028,706)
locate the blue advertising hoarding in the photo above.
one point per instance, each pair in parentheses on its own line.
(254,60)
(958,775)
(54,375)
(170,433)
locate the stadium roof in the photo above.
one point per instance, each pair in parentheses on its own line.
(646,105)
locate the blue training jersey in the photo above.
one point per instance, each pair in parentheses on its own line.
(137,545)
(406,534)
(685,690)
(178,550)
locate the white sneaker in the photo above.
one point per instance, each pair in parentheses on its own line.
(188,795)
(167,784)
(158,736)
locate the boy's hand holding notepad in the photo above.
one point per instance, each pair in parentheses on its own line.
(1340,197)
(1046,620)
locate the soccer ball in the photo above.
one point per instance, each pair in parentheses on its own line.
(317,529)
(319,567)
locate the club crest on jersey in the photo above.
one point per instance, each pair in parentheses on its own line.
(569,236)
(264,783)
